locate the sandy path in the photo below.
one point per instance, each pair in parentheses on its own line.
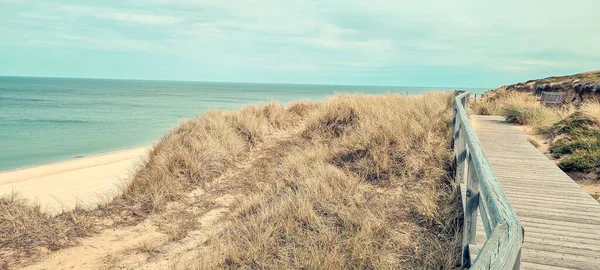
(83,181)
(143,246)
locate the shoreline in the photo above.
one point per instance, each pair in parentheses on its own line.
(83,181)
(99,153)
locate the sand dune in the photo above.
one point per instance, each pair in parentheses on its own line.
(83,181)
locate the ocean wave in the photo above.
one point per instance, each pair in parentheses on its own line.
(51,121)
(24,99)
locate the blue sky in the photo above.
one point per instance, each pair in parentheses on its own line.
(468,43)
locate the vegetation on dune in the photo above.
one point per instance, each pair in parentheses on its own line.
(578,139)
(572,130)
(581,161)
(576,87)
(591,110)
(496,103)
(356,181)
(524,114)
(363,184)
(587,76)
(25,228)
(520,108)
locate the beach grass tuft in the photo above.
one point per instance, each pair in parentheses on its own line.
(26,228)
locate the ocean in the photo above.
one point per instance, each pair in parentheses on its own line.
(44,120)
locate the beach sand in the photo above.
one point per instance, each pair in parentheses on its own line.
(84,181)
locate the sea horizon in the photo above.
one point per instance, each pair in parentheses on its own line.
(481,89)
(44,120)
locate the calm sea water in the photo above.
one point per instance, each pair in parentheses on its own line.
(46,120)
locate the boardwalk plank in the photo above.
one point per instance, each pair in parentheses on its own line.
(561,220)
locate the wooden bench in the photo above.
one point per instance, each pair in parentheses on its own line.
(551,98)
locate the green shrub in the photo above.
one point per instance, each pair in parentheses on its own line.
(580,136)
(524,114)
(569,145)
(575,124)
(581,161)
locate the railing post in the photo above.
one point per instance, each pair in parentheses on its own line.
(455,128)
(471,205)
(517,264)
(464,155)
(460,151)
(455,124)
(472,201)
(465,102)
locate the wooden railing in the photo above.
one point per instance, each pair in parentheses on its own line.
(504,232)
(476,97)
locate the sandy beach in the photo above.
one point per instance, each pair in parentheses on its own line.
(84,181)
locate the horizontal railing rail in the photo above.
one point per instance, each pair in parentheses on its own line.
(504,232)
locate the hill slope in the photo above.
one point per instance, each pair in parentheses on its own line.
(577,86)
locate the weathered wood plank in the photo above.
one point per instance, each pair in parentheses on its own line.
(560,219)
(473,199)
(536,266)
(502,249)
(566,225)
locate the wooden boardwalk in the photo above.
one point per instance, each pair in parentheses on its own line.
(562,222)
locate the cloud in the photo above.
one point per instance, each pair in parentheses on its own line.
(146,19)
(323,37)
(37,16)
(123,16)
(533,63)
(108,43)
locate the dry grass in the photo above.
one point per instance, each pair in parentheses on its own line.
(535,114)
(520,108)
(197,151)
(486,107)
(177,224)
(357,181)
(496,102)
(26,229)
(149,248)
(364,184)
(591,110)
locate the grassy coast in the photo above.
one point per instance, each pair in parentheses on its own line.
(568,134)
(356,181)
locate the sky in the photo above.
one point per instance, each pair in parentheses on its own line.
(458,43)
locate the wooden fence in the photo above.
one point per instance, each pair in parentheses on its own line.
(476,97)
(504,232)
